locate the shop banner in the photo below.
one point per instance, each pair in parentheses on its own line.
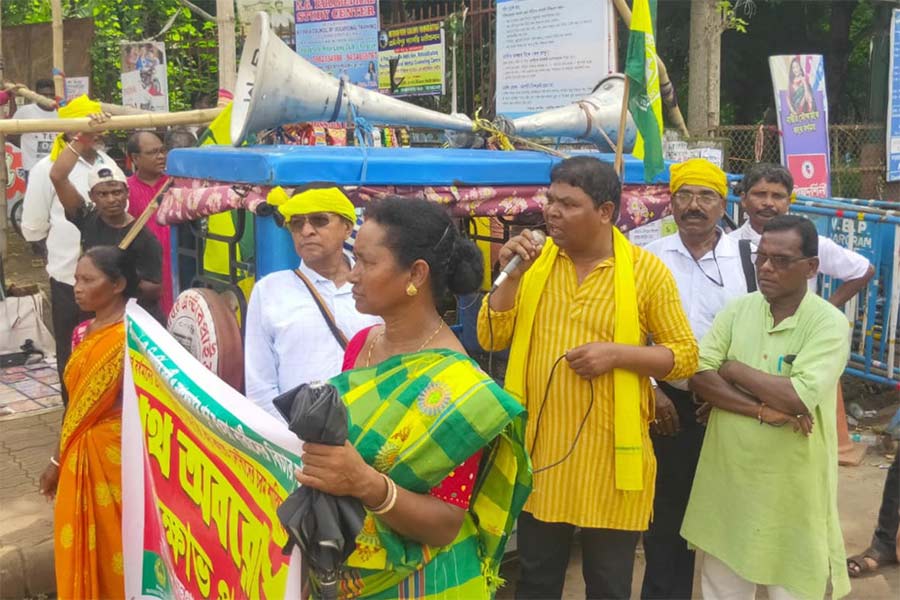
(340,37)
(893,112)
(551,53)
(203,472)
(145,82)
(411,60)
(802,105)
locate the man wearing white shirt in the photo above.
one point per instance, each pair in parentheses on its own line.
(288,337)
(36,146)
(766,193)
(43,218)
(709,271)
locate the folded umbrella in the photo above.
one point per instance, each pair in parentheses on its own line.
(324,526)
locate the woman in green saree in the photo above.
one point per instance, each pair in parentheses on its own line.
(435,451)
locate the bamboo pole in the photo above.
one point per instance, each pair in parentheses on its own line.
(22,90)
(139,223)
(123,122)
(59,83)
(227,61)
(667,88)
(619,162)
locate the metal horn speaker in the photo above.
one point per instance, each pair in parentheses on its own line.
(276,86)
(595,118)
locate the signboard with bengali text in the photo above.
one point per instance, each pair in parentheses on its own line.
(802,105)
(202,480)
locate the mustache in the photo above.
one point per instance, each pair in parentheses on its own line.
(694,214)
(768,212)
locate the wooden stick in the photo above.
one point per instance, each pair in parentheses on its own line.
(620,140)
(50,104)
(227,45)
(139,223)
(124,122)
(59,84)
(664,81)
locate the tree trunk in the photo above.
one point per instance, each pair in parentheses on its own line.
(227,62)
(837,62)
(704,67)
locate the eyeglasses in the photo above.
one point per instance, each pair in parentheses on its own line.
(779,263)
(684,198)
(317,220)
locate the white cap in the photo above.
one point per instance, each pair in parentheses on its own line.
(103,172)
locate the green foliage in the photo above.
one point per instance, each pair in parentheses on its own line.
(730,20)
(191,42)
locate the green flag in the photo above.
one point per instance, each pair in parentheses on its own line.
(644,101)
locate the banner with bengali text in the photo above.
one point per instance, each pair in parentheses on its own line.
(203,472)
(411,60)
(802,105)
(340,37)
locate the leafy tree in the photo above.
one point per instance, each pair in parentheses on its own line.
(190,41)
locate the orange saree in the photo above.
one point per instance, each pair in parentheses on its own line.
(88,518)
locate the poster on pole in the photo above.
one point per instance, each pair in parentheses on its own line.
(551,53)
(340,37)
(411,60)
(145,82)
(802,106)
(893,112)
(281,16)
(202,475)
(76,86)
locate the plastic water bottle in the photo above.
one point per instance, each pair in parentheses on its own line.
(867,438)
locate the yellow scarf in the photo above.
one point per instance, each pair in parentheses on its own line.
(626,384)
(77,108)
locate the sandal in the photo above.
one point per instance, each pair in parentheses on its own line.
(858,564)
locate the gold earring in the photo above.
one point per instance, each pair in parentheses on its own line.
(411,289)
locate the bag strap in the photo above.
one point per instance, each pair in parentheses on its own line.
(323,308)
(747,264)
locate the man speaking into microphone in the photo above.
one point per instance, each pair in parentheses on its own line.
(578,314)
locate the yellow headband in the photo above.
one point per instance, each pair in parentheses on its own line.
(698,171)
(77,108)
(330,200)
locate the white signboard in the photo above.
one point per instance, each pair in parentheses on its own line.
(551,53)
(145,82)
(893,112)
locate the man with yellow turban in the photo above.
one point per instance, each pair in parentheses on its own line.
(44,220)
(298,320)
(710,269)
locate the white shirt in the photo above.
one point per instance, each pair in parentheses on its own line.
(43,216)
(702,299)
(834,260)
(35,146)
(288,341)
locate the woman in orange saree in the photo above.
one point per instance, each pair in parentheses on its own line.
(85,475)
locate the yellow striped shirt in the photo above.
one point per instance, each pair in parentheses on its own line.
(581,490)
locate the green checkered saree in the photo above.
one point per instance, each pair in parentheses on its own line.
(417,417)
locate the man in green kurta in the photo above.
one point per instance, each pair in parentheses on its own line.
(763,506)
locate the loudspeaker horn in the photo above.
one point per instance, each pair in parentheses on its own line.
(276,86)
(595,118)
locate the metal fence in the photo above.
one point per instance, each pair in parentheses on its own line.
(857,156)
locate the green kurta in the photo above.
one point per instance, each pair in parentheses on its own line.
(764,499)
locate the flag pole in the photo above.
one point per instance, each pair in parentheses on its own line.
(620,140)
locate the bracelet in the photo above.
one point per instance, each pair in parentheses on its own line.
(72,148)
(389,500)
(54,462)
(762,405)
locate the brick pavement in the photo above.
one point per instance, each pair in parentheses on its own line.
(26,518)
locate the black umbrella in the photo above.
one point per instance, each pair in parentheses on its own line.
(324,526)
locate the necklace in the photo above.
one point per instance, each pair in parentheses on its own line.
(381,335)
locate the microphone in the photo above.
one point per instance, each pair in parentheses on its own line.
(539,238)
